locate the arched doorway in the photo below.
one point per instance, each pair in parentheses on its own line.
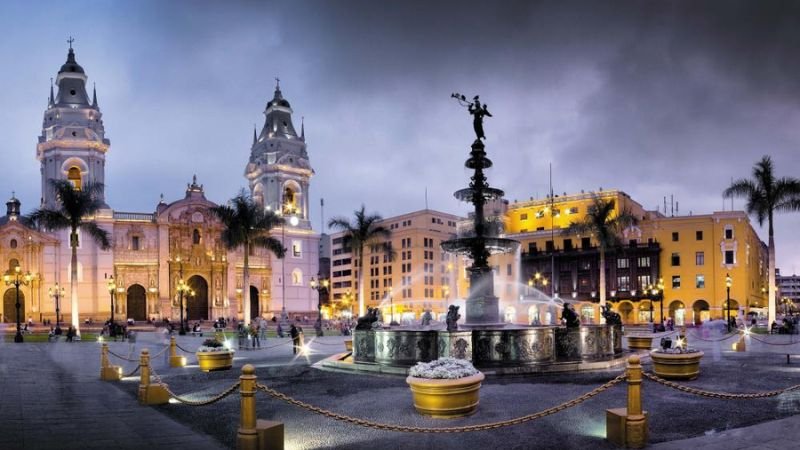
(677,311)
(137,302)
(510,314)
(197,306)
(9,308)
(254,303)
(645,311)
(534,316)
(626,312)
(701,312)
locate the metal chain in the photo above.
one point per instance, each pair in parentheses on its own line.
(464,429)
(161,352)
(182,349)
(724,338)
(124,358)
(792,341)
(722,395)
(186,401)
(133,372)
(268,347)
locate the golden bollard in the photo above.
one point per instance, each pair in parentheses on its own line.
(636,423)
(174,359)
(149,394)
(247,436)
(627,427)
(107,371)
(254,433)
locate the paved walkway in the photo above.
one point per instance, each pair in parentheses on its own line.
(780,434)
(51,398)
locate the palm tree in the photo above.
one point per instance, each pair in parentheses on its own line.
(766,195)
(362,232)
(74,211)
(604,223)
(247,225)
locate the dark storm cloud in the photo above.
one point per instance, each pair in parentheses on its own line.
(655,98)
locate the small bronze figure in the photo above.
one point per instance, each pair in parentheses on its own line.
(452,318)
(569,316)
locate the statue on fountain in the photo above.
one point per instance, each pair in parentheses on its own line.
(426,319)
(452,318)
(569,316)
(611,317)
(365,322)
(478,112)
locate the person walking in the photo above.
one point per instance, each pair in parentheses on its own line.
(295,334)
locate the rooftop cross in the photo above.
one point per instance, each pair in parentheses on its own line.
(70,41)
(277,83)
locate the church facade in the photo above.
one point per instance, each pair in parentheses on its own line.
(153,252)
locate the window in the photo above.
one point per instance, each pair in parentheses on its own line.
(540,214)
(297,249)
(623,263)
(196,236)
(573,210)
(508,270)
(676,259)
(644,281)
(728,231)
(623,283)
(549,246)
(567,244)
(699,259)
(13,243)
(675,236)
(523,217)
(700,281)
(74,177)
(643,261)
(729,257)
(532,247)
(586,243)
(698,235)
(135,243)
(676,282)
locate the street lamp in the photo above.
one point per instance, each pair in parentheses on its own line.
(17,279)
(728,283)
(319,286)
(293,221)
(659,295)
(56,292)
(112,290)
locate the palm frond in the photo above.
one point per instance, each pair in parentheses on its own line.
(48,219)
(271,244)
(99,235)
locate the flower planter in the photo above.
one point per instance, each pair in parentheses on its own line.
(676,366)
(348,345)
(640,342)
(209,361)
(446,398)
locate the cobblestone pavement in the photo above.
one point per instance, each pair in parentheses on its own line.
(52,398)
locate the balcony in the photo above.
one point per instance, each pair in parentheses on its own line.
(134,217)
(574,251)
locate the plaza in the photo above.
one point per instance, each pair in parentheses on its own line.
(63,404)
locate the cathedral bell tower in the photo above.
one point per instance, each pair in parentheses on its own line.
(278,171)
(72,145)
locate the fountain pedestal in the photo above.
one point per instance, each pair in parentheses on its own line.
(483,308)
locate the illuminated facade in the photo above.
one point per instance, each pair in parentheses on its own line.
(152,251)
(688,257)
(420,277)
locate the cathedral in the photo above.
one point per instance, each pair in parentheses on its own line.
(178,243)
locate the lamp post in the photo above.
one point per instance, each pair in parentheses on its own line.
(56,292)
(293,221)
(17,278)
(728,283)
(658,293)
(182,288)
(112,290)
(319,286)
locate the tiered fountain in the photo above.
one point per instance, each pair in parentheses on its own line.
(484,338)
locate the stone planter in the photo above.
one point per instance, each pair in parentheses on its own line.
(676,366)
(446,399)
(640,342)
(210,361)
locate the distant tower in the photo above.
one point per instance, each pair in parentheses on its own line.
(278,170)
(72,145)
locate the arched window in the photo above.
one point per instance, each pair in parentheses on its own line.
(74,177)
(297,277)
(12,264)
(13,243)
(196,236)
(289,201)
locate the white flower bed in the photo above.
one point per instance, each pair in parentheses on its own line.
(203,348)
(444,368)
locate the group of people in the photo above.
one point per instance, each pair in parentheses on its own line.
(788,325)
(55,332)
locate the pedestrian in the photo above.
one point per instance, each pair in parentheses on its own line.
(70,333)
(295,334)
(279,330)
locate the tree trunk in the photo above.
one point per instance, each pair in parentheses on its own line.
(361,308)
(73,281)
(246,285)
(602,281)
(771,313)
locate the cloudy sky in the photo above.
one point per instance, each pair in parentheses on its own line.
(655,98)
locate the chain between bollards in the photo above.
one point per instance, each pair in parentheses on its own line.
(720,395)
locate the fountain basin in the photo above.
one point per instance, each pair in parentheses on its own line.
(514,346)
(588,342)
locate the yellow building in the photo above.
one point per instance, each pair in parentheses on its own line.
(420,277)
(688,257)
